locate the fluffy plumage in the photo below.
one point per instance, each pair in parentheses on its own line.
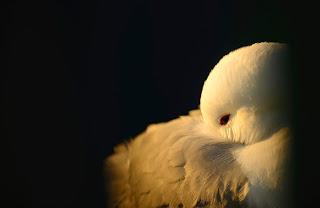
(195,161)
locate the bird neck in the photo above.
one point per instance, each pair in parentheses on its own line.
(264,162)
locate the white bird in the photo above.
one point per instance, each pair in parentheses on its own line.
(232,152)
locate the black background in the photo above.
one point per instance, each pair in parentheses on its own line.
(82,76)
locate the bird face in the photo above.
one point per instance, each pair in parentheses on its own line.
(245,98)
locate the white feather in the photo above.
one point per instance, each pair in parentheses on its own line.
(193,161)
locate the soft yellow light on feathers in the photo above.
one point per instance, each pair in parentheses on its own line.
(231,153)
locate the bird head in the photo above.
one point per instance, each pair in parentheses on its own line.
(246,96)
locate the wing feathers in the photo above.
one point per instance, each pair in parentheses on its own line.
(175,164)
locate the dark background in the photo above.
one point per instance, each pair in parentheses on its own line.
(81,76)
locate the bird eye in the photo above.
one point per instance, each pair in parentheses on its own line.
(224,119)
